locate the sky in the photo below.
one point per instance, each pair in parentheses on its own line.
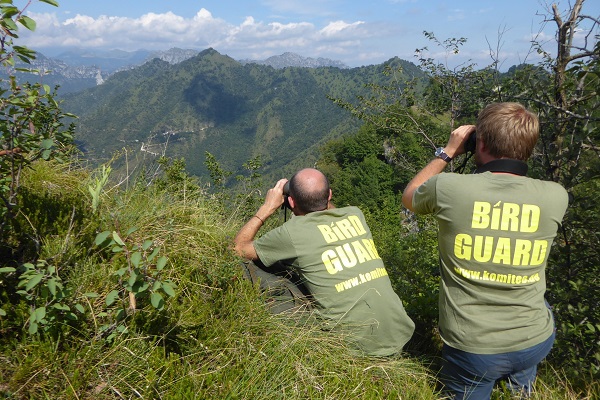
(355,32)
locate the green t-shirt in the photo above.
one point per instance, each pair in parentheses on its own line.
(495,234)
(334,254)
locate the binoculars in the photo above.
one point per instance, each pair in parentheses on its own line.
(286,193)
(470,143)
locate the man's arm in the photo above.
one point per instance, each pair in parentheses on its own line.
(454,147)
(243,244)
(434,167)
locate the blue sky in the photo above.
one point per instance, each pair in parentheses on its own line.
(356,32)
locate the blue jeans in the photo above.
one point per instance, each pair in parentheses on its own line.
(472,376)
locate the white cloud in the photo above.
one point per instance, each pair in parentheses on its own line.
(341,29)
(353,40)
(163,31)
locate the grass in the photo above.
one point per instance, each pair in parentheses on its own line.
(214,339)
(243,353)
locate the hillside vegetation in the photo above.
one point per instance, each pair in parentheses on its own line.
(210,101)
(213,338)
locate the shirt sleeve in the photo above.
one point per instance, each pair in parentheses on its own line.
(425,197)
(275,245)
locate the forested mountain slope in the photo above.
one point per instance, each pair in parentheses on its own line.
(213,103)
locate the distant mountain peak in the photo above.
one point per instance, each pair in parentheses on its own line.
(77,69)
(290,59)
(174,55)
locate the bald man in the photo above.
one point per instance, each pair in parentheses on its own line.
(333,253)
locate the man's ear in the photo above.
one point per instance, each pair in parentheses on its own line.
(292,202)
(329,198)
(480,145)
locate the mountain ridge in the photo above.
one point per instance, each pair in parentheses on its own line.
(80,69)
(211,102)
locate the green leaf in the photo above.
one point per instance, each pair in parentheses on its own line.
(51,2)
(147,244)
(160,264)
(40,313)
(157,285)
(34,281)
(9,11)
(141,287)
(101,237)
(70,316)
(91,295)
(132,279)
(80,308)
(27,70)
(117,249)
(136,258)
(153,254)
(33,328)
(61,307)
(47,144)
(157,300)
(168,288)
(2,313)
(121,271)
(27,22)
(131,230)
(25,51)
(118,239)
(112,297)
(52,286)
(27,61)
(120,314)
(7,269)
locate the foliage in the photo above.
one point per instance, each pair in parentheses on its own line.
(244,199)
(175,179)
(140,276)
(459,91)
(244,354)
(30,118)
(216,340)
(98,185)
(49,299)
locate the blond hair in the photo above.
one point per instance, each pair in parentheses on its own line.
(509,130)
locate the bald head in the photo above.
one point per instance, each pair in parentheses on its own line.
(310,190)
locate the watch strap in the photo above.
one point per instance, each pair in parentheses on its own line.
(440,153)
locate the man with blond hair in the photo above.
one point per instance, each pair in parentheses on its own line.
(496,228)
(333,252)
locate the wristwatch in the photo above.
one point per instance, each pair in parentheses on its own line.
(440,153)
